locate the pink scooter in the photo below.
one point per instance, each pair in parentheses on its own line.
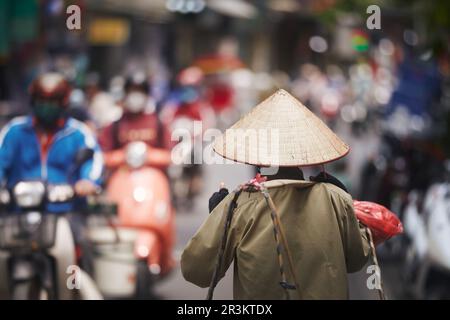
(134,251)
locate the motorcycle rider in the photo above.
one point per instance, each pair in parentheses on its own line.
(184,111)
(137,123)
(152,218)
(44,144)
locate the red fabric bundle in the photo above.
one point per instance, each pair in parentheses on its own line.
(383,223)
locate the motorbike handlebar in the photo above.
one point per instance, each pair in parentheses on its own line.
(156,157)
(32,194)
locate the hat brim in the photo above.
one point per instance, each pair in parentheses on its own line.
(285,166)
(282,132)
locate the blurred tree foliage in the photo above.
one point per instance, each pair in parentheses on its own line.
(434,16)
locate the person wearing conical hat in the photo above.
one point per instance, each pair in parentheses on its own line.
(324,240)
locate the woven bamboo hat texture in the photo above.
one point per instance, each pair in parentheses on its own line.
(280,131)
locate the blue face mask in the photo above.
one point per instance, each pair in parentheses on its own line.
(188,95)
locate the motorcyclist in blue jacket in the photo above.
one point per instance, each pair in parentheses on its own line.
(43,146)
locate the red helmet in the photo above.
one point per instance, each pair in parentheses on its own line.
(52,86)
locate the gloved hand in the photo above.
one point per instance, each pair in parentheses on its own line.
(328,178)
(217,197)
(85,188)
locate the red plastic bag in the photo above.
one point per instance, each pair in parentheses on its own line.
(382,222)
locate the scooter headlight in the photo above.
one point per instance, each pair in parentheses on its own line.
(143,251)
(29,194)
(33,218)
(136,154)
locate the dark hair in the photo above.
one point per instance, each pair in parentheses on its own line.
(291,173)
(134,83)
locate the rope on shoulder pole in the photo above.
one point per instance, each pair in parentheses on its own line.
(375,261)
(279,234)
(223,242)
(253,186)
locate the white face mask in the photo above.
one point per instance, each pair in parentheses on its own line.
(135,102)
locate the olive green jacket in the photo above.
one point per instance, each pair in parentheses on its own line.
(325,239)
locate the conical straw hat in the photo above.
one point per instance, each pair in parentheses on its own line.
(280,131)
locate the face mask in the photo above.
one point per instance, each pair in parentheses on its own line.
(135,102)
(47,113)
(188,95)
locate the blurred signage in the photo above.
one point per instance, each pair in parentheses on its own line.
(360,41)
(185,6)
(24,21)
(234,8)
(4,26)
(19,21)
(108,31)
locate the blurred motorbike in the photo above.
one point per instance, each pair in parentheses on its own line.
(133,250)
(186,176)
(37,249)
(402,165)
(415,239)
(187,115)
(428,259)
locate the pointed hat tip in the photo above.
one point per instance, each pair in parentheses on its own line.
(281,91)
(283,95)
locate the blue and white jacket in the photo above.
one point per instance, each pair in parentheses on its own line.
(21,159)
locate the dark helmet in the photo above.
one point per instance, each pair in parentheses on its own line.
(51,86)
(137,81)
(50,94)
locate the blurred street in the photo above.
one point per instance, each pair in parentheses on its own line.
(107,108)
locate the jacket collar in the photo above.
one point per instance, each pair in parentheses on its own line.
(31,122)
(285,182)
(62,131)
